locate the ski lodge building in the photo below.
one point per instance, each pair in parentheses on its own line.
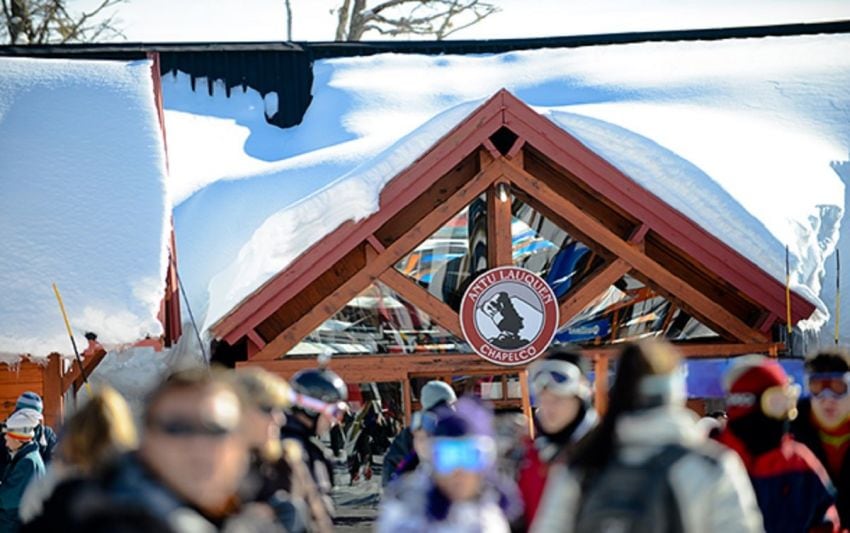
(340,200)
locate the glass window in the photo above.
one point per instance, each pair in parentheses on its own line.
(446,261)
(379,321)
(544,248)
(629,310)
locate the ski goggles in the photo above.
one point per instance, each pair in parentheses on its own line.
(423,420)
(472,454)
(829,384)
(778,402)
(560,377)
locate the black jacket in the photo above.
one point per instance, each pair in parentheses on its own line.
(806,433)
(401,451)
(318,456)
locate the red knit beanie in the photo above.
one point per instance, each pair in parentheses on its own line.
(750,375)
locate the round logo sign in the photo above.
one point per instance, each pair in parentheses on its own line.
(509,315)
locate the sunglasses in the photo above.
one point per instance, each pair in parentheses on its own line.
(829,384)
(471,454)
(189,428)
(560,377)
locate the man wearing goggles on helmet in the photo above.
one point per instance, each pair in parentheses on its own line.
(564,414)
(824,421)
(792,487)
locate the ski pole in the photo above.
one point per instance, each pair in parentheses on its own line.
(788,296)
(73,342)
(837,293)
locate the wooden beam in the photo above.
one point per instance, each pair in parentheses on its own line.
(600,387)
(72,378)
(576,300)
(400,367)
(703,307)
(499,218)
(255,339)
(491,149)
(515,153)
(53,391)
(376,244)
(435,308)
(332,303)
(407,401)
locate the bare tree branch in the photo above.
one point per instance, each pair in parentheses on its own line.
(288,20)
(439,18)
(50,21)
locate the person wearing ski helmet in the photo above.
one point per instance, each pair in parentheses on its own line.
(564,415)
(304,425)
(403,456)
(792,487)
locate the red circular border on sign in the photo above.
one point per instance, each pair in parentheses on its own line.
(481,345)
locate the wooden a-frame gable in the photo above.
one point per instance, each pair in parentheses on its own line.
(506,143)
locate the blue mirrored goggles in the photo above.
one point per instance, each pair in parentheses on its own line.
(472,454)
(560,377)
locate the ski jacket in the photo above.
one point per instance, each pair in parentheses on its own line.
(400,455)
(24,466)
(792,487)
(317,457)
(709,484)
(414,504)
(806,433)
(539,456)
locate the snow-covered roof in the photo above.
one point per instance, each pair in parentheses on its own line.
(83,203)
(740,135)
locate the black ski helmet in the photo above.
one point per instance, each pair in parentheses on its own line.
(324,385)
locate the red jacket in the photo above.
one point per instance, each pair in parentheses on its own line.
(792,487)
(533,473)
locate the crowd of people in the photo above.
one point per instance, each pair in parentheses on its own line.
(244,451)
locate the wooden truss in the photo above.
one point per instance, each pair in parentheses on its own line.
(505,144)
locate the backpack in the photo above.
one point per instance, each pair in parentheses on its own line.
(624,498)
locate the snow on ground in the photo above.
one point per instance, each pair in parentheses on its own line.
(83,203)
(737,134)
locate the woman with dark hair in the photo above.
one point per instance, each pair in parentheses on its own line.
(646,466)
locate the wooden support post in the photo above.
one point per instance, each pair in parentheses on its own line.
(53,392)
(526,401)
(408,400)
(499,218)
(600,369)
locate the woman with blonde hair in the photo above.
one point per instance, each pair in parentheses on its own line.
(98,433)
(647,466)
